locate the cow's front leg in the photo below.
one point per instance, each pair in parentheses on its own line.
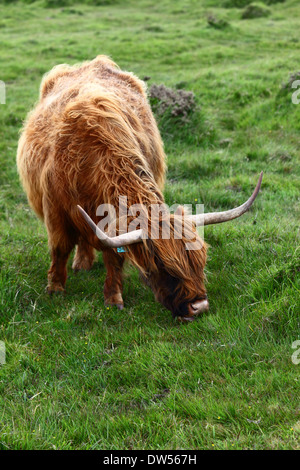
(113,286)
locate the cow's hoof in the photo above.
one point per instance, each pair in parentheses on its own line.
(119,306)
(115,301)
(55,289)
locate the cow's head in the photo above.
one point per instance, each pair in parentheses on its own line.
(172,267)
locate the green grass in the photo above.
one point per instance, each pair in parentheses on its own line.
(80,376)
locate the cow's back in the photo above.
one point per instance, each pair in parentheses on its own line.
(91,128)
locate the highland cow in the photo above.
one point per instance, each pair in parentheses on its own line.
(91,139)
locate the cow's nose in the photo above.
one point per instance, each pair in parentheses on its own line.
(199,307)
(195,309)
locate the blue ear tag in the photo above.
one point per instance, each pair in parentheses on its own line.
(121,249)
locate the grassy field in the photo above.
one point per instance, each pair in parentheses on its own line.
(79,375)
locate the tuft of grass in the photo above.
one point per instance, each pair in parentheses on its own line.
(217,23)
(177,109)
(245,3)
(255,10)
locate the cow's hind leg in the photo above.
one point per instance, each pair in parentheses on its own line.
(57,274)
(113,286)
(84,256)
(62,239)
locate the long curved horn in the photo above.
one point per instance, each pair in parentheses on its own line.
(113,242)
(219,217)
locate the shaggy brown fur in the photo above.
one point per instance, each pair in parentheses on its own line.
(91,138)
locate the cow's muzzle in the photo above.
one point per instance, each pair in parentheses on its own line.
(194,309)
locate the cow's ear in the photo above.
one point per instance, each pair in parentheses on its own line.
(179,211)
